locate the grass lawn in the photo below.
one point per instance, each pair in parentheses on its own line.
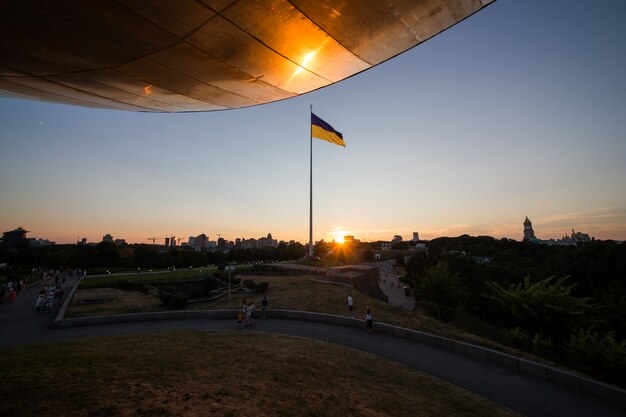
(103,280)
(297,293)
(237,373)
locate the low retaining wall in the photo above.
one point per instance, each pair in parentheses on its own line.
(567,379)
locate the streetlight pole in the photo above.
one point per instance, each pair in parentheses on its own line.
(230,268)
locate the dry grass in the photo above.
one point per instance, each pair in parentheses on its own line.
(306,294)
(120,302)
(202,373)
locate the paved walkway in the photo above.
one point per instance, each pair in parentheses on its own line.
(526,394)
(392,287)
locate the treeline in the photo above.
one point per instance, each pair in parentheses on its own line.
(554,300)
(109,255)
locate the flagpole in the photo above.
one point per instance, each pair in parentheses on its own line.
(311,185)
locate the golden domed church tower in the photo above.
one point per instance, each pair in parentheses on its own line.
(529,233)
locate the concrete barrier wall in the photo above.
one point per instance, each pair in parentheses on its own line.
(567,379)
(67,301)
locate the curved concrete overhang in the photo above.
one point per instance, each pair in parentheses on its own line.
(203,55)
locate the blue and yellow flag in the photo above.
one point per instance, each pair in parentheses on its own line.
(322,130)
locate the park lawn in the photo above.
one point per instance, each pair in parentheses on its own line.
(307,294)
(118,302)
(100,281)
(302,293)
(236,373)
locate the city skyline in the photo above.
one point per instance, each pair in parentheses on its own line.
(514,112)
(337,235)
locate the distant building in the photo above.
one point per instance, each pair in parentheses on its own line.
(485,260)
(191,241)
(349,238)
(416,236)
(201,240)
(34,242)
(529,233)
(15,238)
(167,242)
(396,239)
(120,242)
(579,237)
(107,238)
(574,239)
(82,242)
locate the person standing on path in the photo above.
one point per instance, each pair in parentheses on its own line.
(263,306)
(350,305)
(368,320)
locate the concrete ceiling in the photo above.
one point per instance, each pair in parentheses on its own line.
(203,55)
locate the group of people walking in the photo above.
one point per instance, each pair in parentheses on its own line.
(246,316)
(11,289)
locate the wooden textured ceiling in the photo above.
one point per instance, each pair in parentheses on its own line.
(203,55)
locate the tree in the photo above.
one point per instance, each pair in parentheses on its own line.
(440,291)
(546,307)
(417,264)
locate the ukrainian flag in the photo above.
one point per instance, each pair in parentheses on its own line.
(322,130)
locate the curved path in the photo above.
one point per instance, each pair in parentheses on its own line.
(526,394)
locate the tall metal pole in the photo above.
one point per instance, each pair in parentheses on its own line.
(311,186)
(229,272)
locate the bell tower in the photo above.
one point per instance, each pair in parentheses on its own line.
(529,233)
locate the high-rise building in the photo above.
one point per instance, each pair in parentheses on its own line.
(107,238)
(201,240)
(416,236)
(167,242)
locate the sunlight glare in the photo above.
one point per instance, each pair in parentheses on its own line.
(307,58)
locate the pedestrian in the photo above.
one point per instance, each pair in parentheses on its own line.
(39,304)
(263,306)
(248,314)
(368,320)
(239,318)
(350,305)
(252,313)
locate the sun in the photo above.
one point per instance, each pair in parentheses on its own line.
(339,236)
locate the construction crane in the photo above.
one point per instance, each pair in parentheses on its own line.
(154,239)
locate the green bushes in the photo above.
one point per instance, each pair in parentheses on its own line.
(165,297)
(440,292)
(259,288)
(179,301)
(546,308)
(515,336)
(128,285)
(542,344)
(587,346)
(170,297)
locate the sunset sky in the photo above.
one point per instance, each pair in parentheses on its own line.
(518,111)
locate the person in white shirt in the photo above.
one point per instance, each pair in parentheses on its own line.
(350,305)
